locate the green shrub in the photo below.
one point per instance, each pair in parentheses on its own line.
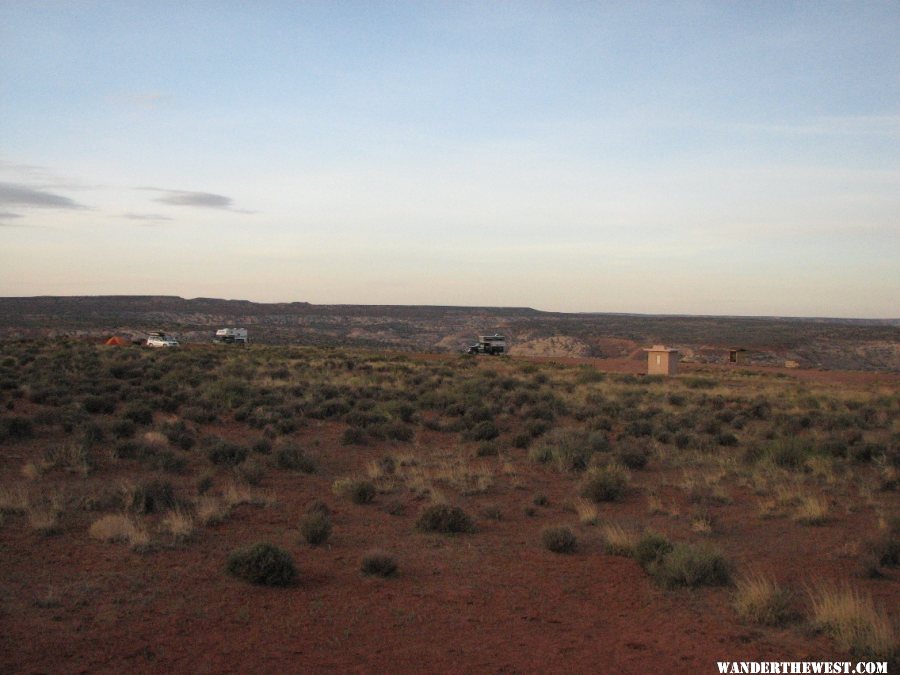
(153,496)
(378,563)
(634,455)
(225,453)
(650,549)
(483,431)
(444,518)
(788,453)
(99,405)
(354,436)
(263,446)
(315,527)
(263,564)
(604,484)
(16,428)
(359,491)
(692,566)
(292,458)
(138,413)
(398,431)
(559,539)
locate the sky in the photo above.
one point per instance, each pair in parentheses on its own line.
(675,157)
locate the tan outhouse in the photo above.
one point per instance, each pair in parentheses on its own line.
(737,355)
(662,360)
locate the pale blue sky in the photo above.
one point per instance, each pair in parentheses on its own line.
(672,157)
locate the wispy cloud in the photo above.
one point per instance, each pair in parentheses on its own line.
(147,218)
(7,216)
(15,194)
(203,200)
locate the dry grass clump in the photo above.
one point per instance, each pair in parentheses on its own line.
(588,513)
(179,524)
(211,510)
(812,510)
(13,499)
(853,620)
(617,540)
(43,516)
(120,528)
(759,599)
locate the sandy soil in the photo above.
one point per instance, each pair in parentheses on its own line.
(491,601)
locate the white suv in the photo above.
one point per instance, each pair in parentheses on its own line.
(161,340)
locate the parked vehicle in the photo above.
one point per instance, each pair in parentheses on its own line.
(231,336)
(488,344)
(160,339)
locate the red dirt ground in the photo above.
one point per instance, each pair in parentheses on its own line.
(492,601)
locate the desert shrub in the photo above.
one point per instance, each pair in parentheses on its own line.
(163,460)
(444,518)
(262,447)
(540,500)
(604,484)
(398,431)
(559,540)
(482,431)
(99,405)
(138,413)
(16,428)
(315,527)
(521,441)
(123,429)
(692,566)
(251,471)
(334,407)
(650,549)
(634,455)
(788,453)
(354,436)
(887,547)
(487,449)
(292,458)
(153,496)
(226,453)
(179,434)
(200,413)
(569,449)
(853,620)
(866,452)
(535,428)
(727,439)
(358,491)
(378,563)
(835,447)
(262,564)
(761,600)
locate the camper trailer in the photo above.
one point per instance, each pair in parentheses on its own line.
(231,336)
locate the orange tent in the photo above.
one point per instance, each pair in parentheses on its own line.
(117,341)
